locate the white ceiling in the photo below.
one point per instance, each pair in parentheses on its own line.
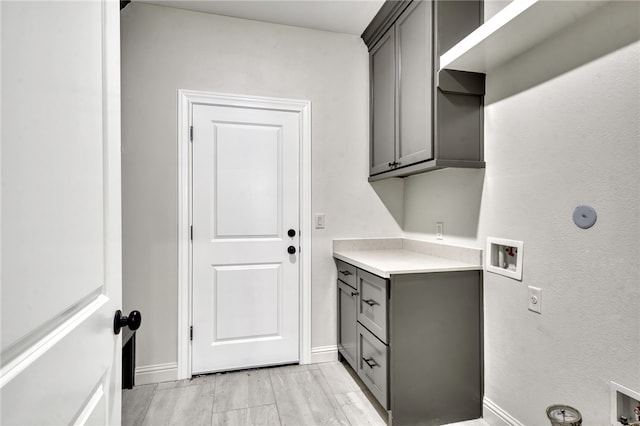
(343,16)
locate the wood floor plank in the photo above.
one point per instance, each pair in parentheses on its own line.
(338,378)
(358,409)
(135,403)
(293,368)
(189,405)
(304,398)
(195,380)
(242,389)
(266,415)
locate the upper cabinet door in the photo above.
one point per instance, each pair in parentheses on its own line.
(383,81)
(415,70)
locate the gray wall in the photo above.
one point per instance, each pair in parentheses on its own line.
(562,128)
(164,50)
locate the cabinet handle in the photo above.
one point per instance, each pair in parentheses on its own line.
(354,293)
(394,164)
(370,302)
(370,362)
(345,273)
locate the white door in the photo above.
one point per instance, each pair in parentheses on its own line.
(245,201)
(61,280)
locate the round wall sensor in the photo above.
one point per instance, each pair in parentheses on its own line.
(584,216)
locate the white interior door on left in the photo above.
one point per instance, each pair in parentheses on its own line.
(60,212)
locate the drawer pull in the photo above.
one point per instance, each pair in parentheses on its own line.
(346,273)
(370,302)
(371,362)
(354,293)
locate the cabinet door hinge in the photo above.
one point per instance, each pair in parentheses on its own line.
(191,133)
(191,333)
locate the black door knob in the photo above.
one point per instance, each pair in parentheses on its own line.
(291,250)
(132,321)
(291,233)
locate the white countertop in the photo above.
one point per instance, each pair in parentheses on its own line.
(387,262)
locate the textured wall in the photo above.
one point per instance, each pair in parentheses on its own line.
(562,128)
(164,50)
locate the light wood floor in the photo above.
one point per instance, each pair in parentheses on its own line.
(317,394)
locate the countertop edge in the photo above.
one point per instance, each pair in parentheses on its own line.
(387,273)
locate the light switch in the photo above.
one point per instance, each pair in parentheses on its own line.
(319,220)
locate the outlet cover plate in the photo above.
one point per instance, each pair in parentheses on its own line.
(535,299)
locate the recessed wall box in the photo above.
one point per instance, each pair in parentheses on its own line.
(624,402)
(504,257)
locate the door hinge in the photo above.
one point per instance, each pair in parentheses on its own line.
(191,232)
(191,133)
(191,333)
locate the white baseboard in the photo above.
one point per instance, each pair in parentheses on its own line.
(496,416)
(156,373)
(321,354)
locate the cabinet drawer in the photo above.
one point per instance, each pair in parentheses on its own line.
(372,303)
(372,365)
(347,311)
(346,273)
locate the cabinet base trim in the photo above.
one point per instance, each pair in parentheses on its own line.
(494,415)
(321,354)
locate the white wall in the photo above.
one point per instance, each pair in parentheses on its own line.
(562,128)
(164,50)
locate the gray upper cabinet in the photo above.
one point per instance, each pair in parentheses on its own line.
(422,120)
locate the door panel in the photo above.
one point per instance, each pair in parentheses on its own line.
(61,233)
(415,98)
(46,194)
(73,365)
(373,364)
(372,303)
(245,197)
(383,93)
(347,319)
(242,289)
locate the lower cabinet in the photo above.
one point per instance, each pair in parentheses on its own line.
(415,341)
(347,333)
(373,364)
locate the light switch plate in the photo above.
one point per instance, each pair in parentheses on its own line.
(319,220)
(535,299)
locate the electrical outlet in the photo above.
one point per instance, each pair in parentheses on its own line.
(439,231)
(535,299)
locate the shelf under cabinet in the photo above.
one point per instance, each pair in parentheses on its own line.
(518,27)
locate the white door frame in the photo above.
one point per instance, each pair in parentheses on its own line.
(186,100)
